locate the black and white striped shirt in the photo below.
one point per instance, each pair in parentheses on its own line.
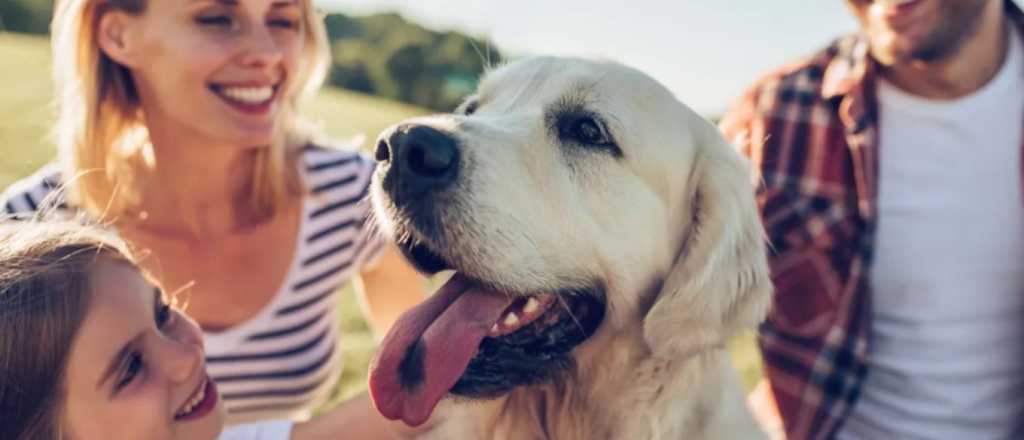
(282,362)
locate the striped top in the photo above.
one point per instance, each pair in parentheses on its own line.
(282,362)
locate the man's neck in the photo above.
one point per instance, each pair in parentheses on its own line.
(968,69)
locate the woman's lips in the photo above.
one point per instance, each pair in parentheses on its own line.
(202,401)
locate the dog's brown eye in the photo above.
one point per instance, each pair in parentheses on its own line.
(583,130)
(586,130)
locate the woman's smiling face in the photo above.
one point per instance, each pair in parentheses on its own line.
(215,69)
(136,367)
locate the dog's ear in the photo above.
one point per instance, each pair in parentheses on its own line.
(719,283)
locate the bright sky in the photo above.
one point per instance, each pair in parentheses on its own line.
(706,51)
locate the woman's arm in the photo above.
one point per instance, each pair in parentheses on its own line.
(387,288)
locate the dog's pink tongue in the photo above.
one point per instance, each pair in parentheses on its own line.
(429,347)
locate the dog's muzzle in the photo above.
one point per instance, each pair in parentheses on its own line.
(417,160)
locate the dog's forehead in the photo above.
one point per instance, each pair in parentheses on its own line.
(547,78)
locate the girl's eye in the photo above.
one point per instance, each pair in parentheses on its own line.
(132,368)
(469,107)
(214,20)
(163,315)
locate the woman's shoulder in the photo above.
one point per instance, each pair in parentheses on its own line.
(41,192)
(333,167)
(325,155)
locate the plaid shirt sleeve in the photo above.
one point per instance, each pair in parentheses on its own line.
(812,342)
(810,131)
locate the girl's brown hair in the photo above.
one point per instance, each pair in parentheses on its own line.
(44,296)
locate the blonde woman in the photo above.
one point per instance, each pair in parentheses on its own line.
(177,126)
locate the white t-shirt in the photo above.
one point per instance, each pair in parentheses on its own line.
(946,355)
(275,430)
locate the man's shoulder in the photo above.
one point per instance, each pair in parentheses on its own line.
(788,94)
(778,122)
(802,79)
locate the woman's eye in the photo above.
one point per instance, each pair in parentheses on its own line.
(214,20)
(284,23)
(132,368)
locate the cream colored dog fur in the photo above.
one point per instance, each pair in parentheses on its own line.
(665,221)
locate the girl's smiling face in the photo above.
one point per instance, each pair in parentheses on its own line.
(136,367)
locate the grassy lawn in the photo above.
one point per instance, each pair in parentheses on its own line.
(25,116)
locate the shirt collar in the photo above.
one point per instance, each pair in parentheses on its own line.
(849,69)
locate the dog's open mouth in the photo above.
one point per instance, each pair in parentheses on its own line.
(471,340)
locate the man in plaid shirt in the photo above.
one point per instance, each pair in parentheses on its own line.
(889,180)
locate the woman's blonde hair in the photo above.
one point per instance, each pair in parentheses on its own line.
(100,124)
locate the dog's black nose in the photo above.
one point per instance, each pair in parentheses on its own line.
(421,159)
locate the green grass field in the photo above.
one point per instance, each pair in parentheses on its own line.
(25,117)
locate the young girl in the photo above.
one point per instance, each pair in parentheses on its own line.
(89,349)
(178,128)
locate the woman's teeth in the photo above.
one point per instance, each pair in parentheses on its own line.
(248,95)
(195,400)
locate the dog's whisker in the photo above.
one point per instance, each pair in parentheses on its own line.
(568,311)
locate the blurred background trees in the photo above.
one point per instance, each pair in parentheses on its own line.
(387,56)
(381,54)
(27,16)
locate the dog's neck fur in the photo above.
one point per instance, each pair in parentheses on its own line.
(605,402)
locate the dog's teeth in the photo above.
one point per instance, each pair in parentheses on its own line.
(511,319)
(531,305)
(494,328)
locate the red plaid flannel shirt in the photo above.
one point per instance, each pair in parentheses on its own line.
(810,131)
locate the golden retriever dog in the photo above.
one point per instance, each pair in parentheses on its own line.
(605,244)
